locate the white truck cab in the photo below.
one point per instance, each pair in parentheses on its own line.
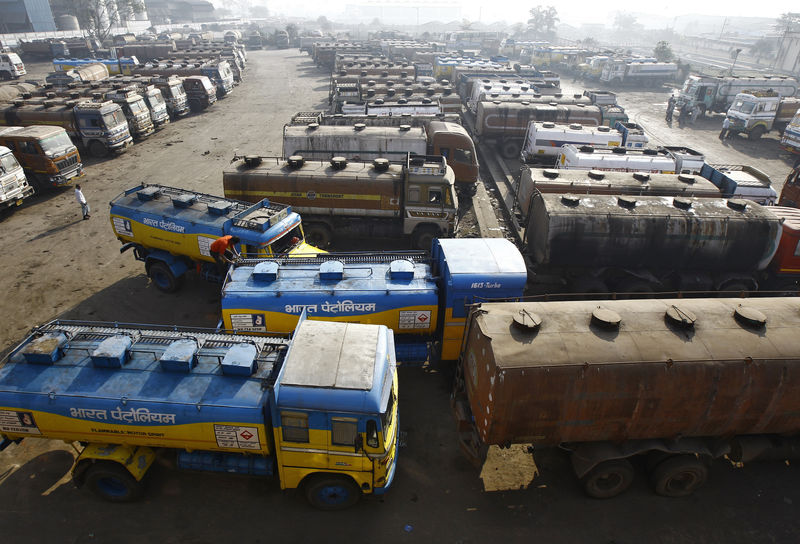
(11,66)
(13,183)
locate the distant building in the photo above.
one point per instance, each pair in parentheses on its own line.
(25,16)
(788,59)
(180,11)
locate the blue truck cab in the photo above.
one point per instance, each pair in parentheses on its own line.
(171,230)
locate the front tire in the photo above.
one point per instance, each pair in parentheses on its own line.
(509,149)
(608,479)
(423,237)
(112,482)
(98,148)
(332,492)
(163,278)
(756,133)
(318,235)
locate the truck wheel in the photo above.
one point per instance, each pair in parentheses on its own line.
(734,289)
(98,148)
(756,133)
(332,492)
(635,287)
(318,235)
(112,482)
(163,278)
(423,237)
(679,476)
(608,479)
(5,76)
(509,149)
(592,286)
(194,106)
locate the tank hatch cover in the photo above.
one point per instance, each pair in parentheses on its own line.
(46,349)
(681,317)
(180,355)
(527,321)
(112,352)
(240,360)
(605,318)
(750,317)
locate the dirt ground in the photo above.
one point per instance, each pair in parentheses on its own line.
(57,265)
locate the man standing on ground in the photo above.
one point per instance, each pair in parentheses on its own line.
(670,108)
(82,201)
(725,133)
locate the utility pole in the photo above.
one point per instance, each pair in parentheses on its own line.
(735,56)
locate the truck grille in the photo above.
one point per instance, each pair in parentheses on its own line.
(66,163)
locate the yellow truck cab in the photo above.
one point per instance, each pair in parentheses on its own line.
(46,153)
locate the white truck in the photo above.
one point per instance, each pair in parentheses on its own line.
(790,141)
(665,160)
(701,94)
(757,112)
(638,72)
(14,187)
(543,141)
(11,66)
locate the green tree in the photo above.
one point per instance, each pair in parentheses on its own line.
(466,24)
(625,22)
(543,21)
(663,52)
(98,17)
(589,43)
(323,22)
(291,30)
(762,48)
(789,22)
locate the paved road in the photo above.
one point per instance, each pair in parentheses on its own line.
(57,265)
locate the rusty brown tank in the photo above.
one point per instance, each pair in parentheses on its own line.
(611,371)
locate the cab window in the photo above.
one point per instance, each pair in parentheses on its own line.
(343,432)
(294,426)
(28,147)
(286,242)
(463,155)
(435,195)
(444,152)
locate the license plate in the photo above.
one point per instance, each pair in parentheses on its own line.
(19,202)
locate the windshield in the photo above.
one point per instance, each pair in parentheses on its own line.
(386,417)
(743,106)
(8,163)
(56,143)
(113,118)
(286,242)
(177,91)
(689,87)
(155,98)
(207,85)
(137,106)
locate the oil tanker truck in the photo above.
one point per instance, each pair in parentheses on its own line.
(318,411)
(378,199)
(364,143)
(644,244)
(423,299)
(171,230)
(100,127)
(675,383)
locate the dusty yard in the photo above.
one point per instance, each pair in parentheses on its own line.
(57,265)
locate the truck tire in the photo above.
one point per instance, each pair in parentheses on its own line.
(509,149)
(194,106)
(318,235)
(332,492)
(608,479)
(5,76)
(163,278)
(756,133)
(679,476)
(423,237)
(589,286)
(112,482)
(734,289)
(98,148)
(634,286)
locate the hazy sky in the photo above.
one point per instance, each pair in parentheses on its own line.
(572,12)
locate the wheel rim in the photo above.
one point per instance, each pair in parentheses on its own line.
(113,487)
(333,494)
